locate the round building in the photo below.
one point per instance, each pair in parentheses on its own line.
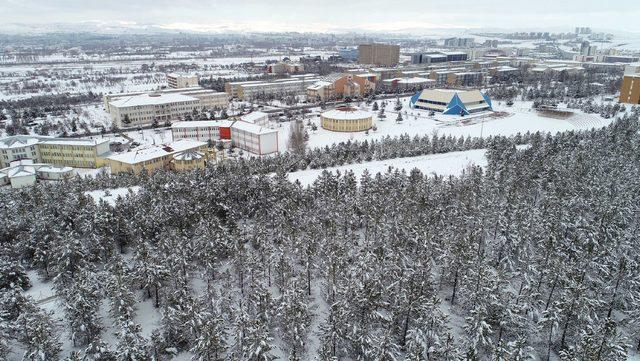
(346,119)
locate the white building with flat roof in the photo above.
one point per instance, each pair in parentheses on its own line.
(254,138)
(23,173)
(177,81)
(294,85)
(258,118)
(140,109)
(74,152)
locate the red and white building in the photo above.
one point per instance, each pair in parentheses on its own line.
(253,138)
(202,130)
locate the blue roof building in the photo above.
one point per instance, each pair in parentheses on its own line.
(453,102)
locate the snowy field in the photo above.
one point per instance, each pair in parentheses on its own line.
(520,119)
(111,195)
(445,164)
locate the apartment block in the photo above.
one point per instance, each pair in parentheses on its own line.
(178,81)
(141,109)
(379,54)
(72,152)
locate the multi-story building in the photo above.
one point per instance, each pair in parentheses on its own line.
(141,109)
(254,138)
(630,89)
(405,84)
(321,91)
(23,173)
(384,73)
(379,54)
(441,76)
(179,81)
(438,57)
(251,137)
(350,54)
(588,49)
(152,157)
(285,67)
(617,59)
(464,78)
(459,42)
(232,88)
(280,87)
(72,152)
(209,131)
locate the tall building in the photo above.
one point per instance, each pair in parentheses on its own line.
(630,89)
(177,81)
(379,54)
(350,54)
(588,49)
(459,42)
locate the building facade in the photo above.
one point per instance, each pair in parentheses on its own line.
(467,78)
(254,138)
(346,119)
(23,173)
(178,81)
(152,157)
(72,152)
(251,137)
(451,102)
(379,54)
(141,109)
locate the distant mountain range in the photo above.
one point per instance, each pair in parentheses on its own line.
(101,27)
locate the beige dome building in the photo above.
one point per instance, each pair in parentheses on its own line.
(346,119)
(189,159)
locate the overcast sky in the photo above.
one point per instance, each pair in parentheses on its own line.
(327,15)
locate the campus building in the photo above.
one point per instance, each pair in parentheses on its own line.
(346,119)
(459,42)
(24,173)
(251,135)
(452,102)
(438,57)
(247,90)
(379,54)
(72,152)
(188,160)
(465,78)
(342,85)
(141,109)
(404,84)
(179,81)
(349,54)
(152,157)
(254,138)
(285,67)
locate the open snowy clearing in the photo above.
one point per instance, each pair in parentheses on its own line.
(445,164)
(111,195)
(521,119)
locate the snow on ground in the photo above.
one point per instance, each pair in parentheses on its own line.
(520,119)
(444,164)
(111,195)
(39,290)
